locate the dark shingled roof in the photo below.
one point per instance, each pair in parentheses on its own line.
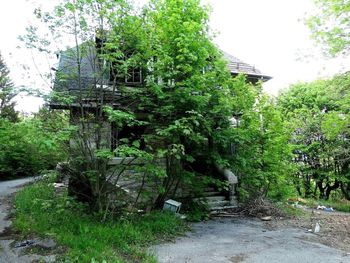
(68,65)
(237,66)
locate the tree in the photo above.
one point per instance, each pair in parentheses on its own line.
(261,150)
(330,25)
(318,119)
(7,94)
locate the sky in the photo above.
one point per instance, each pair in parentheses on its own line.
(268,34)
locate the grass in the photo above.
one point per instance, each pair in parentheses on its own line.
(289,210)
(39,210)
(338,205)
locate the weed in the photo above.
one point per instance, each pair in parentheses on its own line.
(40,211)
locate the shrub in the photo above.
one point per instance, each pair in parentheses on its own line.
(28,147)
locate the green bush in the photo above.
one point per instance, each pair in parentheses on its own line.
(28,147)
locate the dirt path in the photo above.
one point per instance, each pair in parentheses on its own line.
(9,254)
(247,240)
(334,230)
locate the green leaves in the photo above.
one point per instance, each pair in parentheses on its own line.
(318,121)
(330,25)
(122,117)
(31,146)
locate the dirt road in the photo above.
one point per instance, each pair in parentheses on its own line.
(247,240)
(9,254)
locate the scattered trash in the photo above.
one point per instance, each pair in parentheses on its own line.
(324,208)
(317,228)
(58,185)
(172,206)
(181,216)
(25,243)
(266,218)
(309,230)
(296,205)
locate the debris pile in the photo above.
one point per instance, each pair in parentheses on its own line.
(260,207)
(256,207)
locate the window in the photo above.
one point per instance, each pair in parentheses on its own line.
(134,75)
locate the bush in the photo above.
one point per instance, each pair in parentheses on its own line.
(28,147)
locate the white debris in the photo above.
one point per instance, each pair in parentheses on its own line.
(317,228)
(58,185)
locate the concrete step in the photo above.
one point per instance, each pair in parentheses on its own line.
(218,203)
(209,199)
(211,193)
(222,208)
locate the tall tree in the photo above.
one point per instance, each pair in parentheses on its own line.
(7,94)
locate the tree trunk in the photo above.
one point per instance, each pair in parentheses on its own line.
(330,188)
(345,188)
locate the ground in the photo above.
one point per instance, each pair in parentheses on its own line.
(248,240)
(8,253)
(231,240)
(335,227)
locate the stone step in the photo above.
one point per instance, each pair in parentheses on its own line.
(209,199)
(211,193)
(218,203)
(222,208)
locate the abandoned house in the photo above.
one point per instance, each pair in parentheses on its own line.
(91,98)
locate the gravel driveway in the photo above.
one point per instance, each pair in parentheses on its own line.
(246,240)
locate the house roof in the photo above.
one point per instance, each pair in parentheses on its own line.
(68,65)
(236,66)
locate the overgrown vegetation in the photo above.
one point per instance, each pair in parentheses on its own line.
(317,114)
(85,238)
(32,145)
(180,112)
(186,111)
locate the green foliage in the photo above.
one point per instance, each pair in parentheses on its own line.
(39,210)
(7,93)
(31,145)
(330,25)
(197,211)
(316,114)
(184,103)
(262,151)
